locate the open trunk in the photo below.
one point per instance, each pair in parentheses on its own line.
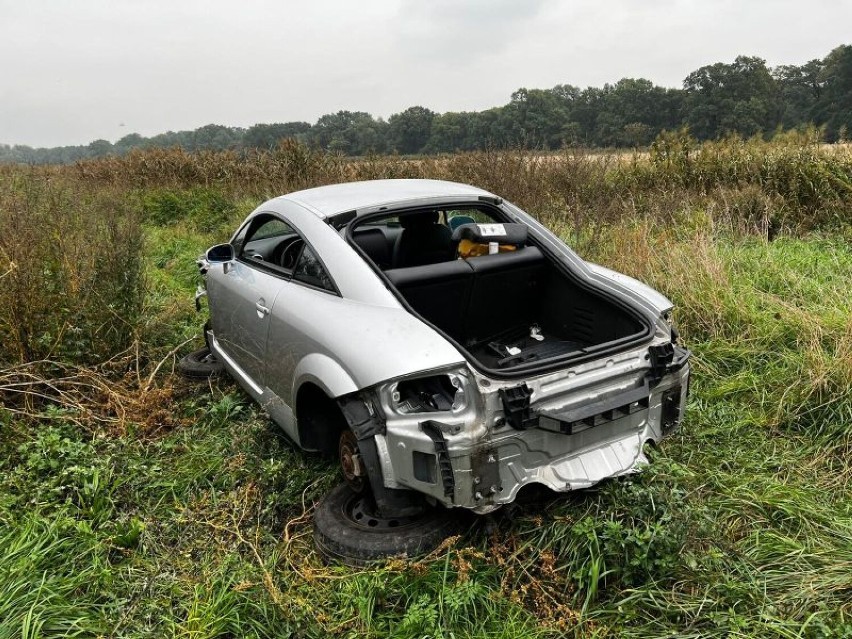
(515,310)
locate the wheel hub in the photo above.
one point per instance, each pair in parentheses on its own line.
(361,511)
(350,461)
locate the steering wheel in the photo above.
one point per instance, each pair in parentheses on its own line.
(290,254)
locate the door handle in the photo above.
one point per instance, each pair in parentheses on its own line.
(261,310)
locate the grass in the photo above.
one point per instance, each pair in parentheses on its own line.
(134,504)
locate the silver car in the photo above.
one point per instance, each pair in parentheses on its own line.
(444,344)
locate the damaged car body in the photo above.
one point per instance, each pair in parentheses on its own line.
(447,346)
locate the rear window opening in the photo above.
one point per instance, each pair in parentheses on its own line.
(486,286)
(420,237)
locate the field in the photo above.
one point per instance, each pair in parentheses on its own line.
(136,504)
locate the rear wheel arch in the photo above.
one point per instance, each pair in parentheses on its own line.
(324,372)
(319,419)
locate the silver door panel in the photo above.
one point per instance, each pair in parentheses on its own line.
(243,298)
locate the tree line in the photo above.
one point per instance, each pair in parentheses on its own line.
(745,97)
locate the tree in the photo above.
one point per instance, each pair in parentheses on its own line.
(128,142)
(348,132)
(409,131)
(368,136)
(451,132)
(99,148)
(213,137)
(628,113)
(267,136)
(533,118)
(567,93)
(584,115)
(741,97)
(833,107)
(799,88)
(637,134)
(485,128)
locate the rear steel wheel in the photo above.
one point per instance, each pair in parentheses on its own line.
(349,529)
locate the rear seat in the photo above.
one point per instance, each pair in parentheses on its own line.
(477,298)
(375,244)
(439,292)
(506,292)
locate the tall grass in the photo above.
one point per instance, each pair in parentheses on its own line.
(46,578)
(71,268)
(791,183)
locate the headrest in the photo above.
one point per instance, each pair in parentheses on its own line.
(511,233)
(418,219)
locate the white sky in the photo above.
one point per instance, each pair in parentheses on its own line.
(72,71)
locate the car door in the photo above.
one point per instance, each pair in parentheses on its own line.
(297,323)
(243,294)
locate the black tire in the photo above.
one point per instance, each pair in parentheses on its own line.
(201,364)
(207,327)
(341,537)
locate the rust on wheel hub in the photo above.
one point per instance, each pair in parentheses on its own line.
(350,461)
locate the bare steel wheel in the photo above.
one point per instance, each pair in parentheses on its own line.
(348,529)
(350,461)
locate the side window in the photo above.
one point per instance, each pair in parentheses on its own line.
(467,216)
(273,227)
(309,270)
(267,241)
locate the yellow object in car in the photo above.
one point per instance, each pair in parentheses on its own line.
(467,248)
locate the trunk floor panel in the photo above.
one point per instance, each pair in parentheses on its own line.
(494,352)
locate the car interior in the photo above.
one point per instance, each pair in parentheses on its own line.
(273,245)
(488,287)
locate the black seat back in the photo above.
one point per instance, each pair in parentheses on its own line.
(422,241)
(377,242)
(506,293)
(440,293)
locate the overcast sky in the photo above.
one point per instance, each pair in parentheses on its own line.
(72,71)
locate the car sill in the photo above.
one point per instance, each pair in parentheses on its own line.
(233,366)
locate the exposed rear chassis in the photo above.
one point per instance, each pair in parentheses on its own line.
(565,431)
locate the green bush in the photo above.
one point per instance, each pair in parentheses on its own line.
(203,209)
(71,271)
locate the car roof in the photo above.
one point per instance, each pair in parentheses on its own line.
(326,201)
